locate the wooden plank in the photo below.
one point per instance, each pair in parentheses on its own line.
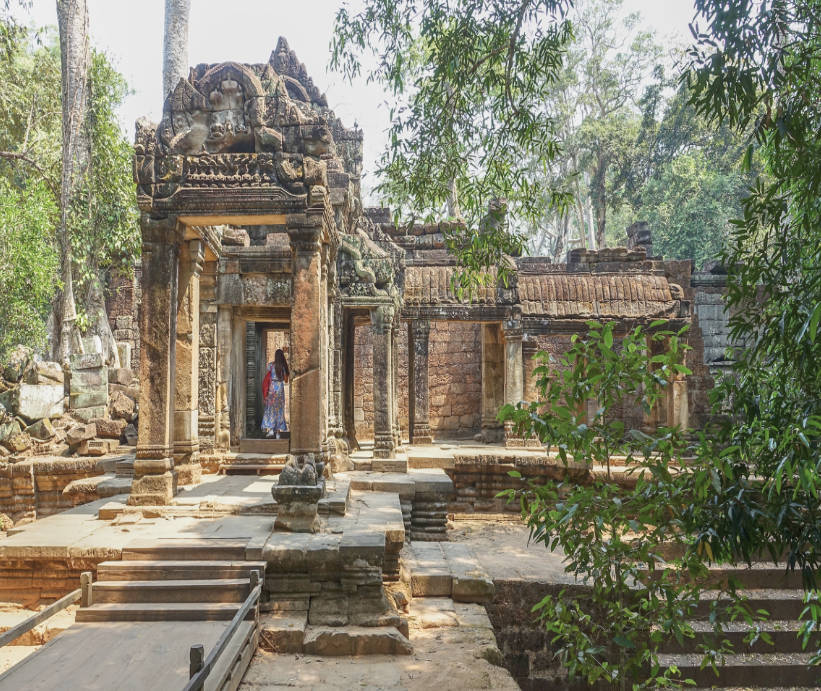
(27,625)
(126,656)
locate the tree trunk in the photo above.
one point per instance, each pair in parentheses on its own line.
(598,194)
(175,44)
(72,18)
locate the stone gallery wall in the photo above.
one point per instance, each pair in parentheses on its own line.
(455,383)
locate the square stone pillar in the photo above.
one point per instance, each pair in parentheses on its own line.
(208,375)
(155,480)
(514,373)
(222,416)
(397,428)
(186,390)
(493,382)
(307,390)
(384,444)
(419,403)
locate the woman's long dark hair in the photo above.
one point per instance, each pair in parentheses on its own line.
(280,366)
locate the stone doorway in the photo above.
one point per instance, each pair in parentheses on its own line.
(262,339)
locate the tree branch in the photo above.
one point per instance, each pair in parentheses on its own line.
(18,156)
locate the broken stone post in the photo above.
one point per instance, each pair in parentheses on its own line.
(492,382)
(514,374)
(297,494)
(186,389)
(418,380)
(305,232)
(384,445)
(155,481)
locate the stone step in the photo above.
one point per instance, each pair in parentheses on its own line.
(266,446)
(185,549)
(283,632)
(144,570)
(158,611)
(784,635)
(355,640)
(207,590)
(446,569)
(250,469)
(751,670)
(780,604)
(757,575)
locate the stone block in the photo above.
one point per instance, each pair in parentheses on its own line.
(18,443)
(35,402)
(97,447)
(130,433)
(42,430)
(89,414)
(282,632)
(81,361)
(45,373)
(88,399)
(109,429)
(355,640)
(18,362)
(93,344)
(124,351)
(9,429)
(120,375)
(89,380)
(121,407)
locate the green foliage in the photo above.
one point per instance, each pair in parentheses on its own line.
(105,232)
(612,534)
(103,218)
(469,80)
(28,263)
(755,65)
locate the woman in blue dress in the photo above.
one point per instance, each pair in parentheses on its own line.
(273,391)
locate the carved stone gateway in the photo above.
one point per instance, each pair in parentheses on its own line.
(251,218)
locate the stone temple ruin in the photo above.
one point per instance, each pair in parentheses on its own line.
(254,238)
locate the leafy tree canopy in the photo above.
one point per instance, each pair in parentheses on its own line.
(103,220)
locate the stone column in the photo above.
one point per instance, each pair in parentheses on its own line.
(384,445)
(324,343)
(305,232)
(493,379)
(397,429)
(187,372)
(529,349)
(514,373)
(155,481)
(222,418)
(419,403)
(208,375)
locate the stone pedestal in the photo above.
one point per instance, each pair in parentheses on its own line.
(384,441)
(187,351)
(297,507)
(155,480)
(493,382)
(307,387)
(419,332)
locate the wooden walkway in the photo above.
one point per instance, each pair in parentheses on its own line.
(114,656)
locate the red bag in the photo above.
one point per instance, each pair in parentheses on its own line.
(266,383)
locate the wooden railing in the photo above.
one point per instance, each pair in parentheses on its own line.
(200,668)
(82,593)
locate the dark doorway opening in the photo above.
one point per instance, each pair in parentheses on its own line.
(262,339)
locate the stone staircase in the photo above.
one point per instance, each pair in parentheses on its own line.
(253,464)
(172,580)
(757,665)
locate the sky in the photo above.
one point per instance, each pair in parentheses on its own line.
(131,33)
